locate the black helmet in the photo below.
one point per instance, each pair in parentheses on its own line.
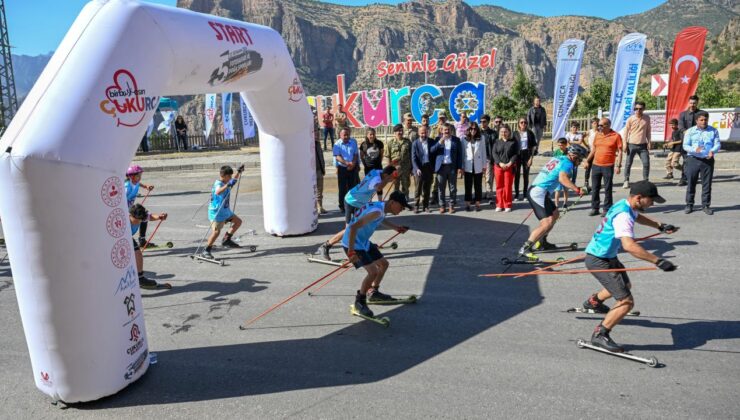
(578,150)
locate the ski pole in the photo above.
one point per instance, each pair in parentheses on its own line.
(151,236)
(146,196)
(609,270)
(289,298)
(517,228)
(382,246)
(329,280)
(236,197)
(220,206)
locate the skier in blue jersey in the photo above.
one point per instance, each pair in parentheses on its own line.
(363,253)
(617,230)
(558,171)
(358,196)
(219,211)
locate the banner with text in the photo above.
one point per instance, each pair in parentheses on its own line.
(570,56)
(226,113)
(210,112)
(247,120)
(168,116)
(627,67)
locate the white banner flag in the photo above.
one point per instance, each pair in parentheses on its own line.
(167,118)
(630,51)
(150,127)
(570,55)
(247,120)
(226,113)
(210,112)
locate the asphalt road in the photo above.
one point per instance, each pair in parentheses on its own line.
(471,348)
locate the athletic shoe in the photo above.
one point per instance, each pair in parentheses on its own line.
(707,211)
(324,251)
(146,283)
(543,245)
(361,305)
(626,185)
(682,184)
(669,176)
(601,338)
(375,295)
(593,212)
(208,255)
(689,208)
(525,249)
(594,305)
(507,210)
(228,243)
(499,209)
(142,242)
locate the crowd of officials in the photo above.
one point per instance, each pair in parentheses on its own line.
(494,159)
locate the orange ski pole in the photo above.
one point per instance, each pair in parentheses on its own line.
(610,270)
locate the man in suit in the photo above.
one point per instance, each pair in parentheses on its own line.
(527,151)
(422,160)
(448,164)
(686,120)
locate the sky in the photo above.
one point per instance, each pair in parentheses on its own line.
(34,33)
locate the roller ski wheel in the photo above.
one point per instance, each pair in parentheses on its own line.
(383,321)
(651,362)
(591,311)
(210,260)
(573,246)
(395,301)
(393,245)
(166,245)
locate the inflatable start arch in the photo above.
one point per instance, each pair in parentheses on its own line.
(62,164)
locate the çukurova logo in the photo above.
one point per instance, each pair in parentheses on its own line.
(125,101)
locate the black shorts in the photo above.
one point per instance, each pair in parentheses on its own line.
(348,212)
(136,245)
(367,257)
(615,282)
(541,202)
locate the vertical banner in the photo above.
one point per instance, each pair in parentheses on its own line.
(226,113)
(168,116)
(210,112)
(570,56)
(247,120)
(150,127)
(684,76)
(627,67)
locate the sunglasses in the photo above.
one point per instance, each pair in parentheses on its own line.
(639,109)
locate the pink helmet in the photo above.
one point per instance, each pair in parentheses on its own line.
(134,169)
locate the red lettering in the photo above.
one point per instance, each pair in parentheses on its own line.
(245,32)
(473,62)
(382,71)
(449,63)
(232,34)
(416,67)
(433,66)
(484,61)
(493,57)
(215,27)
(347,107)
(462,62)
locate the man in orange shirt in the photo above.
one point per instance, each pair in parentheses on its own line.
(606,150)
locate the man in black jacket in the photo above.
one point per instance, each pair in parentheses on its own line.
(447,152)
(527,151)
(686,120)
(537,119)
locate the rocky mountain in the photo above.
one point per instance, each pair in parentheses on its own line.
(26,69)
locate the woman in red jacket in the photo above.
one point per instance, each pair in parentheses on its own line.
(505,158)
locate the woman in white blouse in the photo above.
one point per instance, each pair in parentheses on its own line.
(475,162)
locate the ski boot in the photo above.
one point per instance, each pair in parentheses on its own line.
(543,245)
(207,255)
(229,243)
(525,249)
(594,304)
(601,338)
(360,306)
(324,251)
(142,243)
(376,296)
(146,283)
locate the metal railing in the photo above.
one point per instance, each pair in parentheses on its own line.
(168,142)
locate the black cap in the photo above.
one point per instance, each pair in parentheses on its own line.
(398,196)
(646,189)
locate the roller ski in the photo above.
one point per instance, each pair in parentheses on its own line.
(363,312)
(376,297)
(393,245)
(544,246)
(156,246)
(593,311)
(148,284)
(228,242)
(207,257)
(316,259)
(583,344)
(529,258)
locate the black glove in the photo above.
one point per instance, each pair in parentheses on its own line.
(665,265)
(667,228)
(402,229)
(240,169)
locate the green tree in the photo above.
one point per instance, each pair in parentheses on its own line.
(523,90)
(505,106)
(595,97)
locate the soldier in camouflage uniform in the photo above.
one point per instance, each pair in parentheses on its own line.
(399,155)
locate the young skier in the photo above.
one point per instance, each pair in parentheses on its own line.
(363,253)
(361,194)
(219,212)
(132,185)
(556,172)
(138,216)
(617,230)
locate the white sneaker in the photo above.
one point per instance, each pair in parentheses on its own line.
(507,210)
(626,185)
(499,209)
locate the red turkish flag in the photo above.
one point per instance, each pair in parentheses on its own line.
(684,76)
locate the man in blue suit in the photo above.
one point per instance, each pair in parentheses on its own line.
(448,165)
(422,160)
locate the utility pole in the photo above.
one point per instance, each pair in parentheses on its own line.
(8,100)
